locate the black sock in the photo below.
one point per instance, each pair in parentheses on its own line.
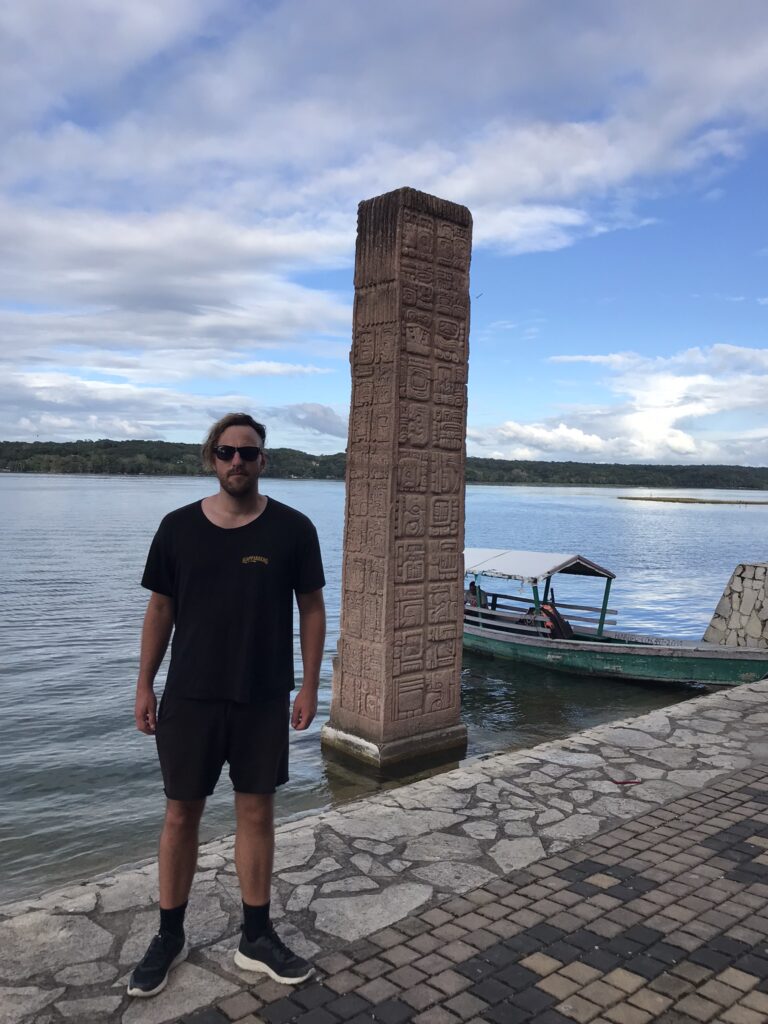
(172,921)
(255,921)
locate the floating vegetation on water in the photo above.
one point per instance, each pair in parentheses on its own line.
(693,501)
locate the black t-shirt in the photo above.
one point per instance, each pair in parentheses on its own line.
(232,593)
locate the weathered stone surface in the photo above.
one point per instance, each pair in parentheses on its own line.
(660,791)
(18,1003)
(656,722)
(323,867)
(86,974)
(688,780)
(644,771)
(397,678)
(619,807)
(189,988)
(97,1008)
(362,914)
(511,854)
(440,846)
(547,818)
(453,876)
(431,798)
(363,862)
(293,849)
(480,829)
(387,823)
(370,847)
(518,828)
(754,627)
(740,616)
(77,899)
(523,814)
(578,826)
(300,898)
(633,739)
(39,942)
(396,865)
(748,600)
(356,883)
(210,860)
(131,889)
(463,780)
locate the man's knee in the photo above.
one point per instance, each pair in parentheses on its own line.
(255,811)
(183,814)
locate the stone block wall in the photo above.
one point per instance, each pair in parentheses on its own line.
(741,616)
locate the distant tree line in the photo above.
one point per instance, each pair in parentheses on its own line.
(166,458)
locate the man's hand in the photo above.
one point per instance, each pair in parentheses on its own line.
(304,708)
(146,711)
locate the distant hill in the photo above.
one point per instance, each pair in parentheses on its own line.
(165,458)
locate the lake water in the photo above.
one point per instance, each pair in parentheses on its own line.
(80,790)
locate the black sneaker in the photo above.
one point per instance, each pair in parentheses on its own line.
(151,975)
(270,954)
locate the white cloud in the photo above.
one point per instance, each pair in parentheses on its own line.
(179,180)
(36,406)
(662,412)
(319,419)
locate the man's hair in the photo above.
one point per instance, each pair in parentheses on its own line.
(232,419)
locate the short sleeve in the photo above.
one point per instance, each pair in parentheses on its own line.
(159,572)
(309,568)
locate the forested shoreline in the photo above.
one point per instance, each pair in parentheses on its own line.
(166,458)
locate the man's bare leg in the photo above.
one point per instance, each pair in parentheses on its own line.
(260,948)
(178,851)
(255,846)
(177,862)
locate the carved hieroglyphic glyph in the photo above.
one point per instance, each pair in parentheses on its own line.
(400,650)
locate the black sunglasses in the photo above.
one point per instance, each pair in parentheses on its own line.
(226,452)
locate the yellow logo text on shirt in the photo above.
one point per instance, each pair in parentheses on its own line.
(250,559)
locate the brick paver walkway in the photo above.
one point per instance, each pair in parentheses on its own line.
(662,919)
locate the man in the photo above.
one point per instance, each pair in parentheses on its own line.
(223,572)
(473,596)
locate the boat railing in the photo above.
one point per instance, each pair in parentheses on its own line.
(511,613)
(502,621)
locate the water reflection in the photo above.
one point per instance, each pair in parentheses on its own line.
(511,706)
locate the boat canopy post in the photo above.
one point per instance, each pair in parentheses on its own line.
(546,589)
(536,599)
(479,593)
(604,609)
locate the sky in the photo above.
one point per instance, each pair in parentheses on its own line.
(178,197)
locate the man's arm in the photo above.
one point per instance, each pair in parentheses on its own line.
(155,634)
(312,637)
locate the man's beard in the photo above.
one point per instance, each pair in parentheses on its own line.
(239,485)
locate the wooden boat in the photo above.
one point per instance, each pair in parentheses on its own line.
(573,637)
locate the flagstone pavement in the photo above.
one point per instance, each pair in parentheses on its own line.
(618,876)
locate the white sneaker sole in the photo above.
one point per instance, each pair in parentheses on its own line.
(247,964)
(139,993)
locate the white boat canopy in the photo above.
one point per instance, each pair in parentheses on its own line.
(528,566)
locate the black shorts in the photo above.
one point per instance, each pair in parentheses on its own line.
(195,738)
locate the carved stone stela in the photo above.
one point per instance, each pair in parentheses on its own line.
(398,670)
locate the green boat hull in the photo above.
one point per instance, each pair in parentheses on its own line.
(714,666)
